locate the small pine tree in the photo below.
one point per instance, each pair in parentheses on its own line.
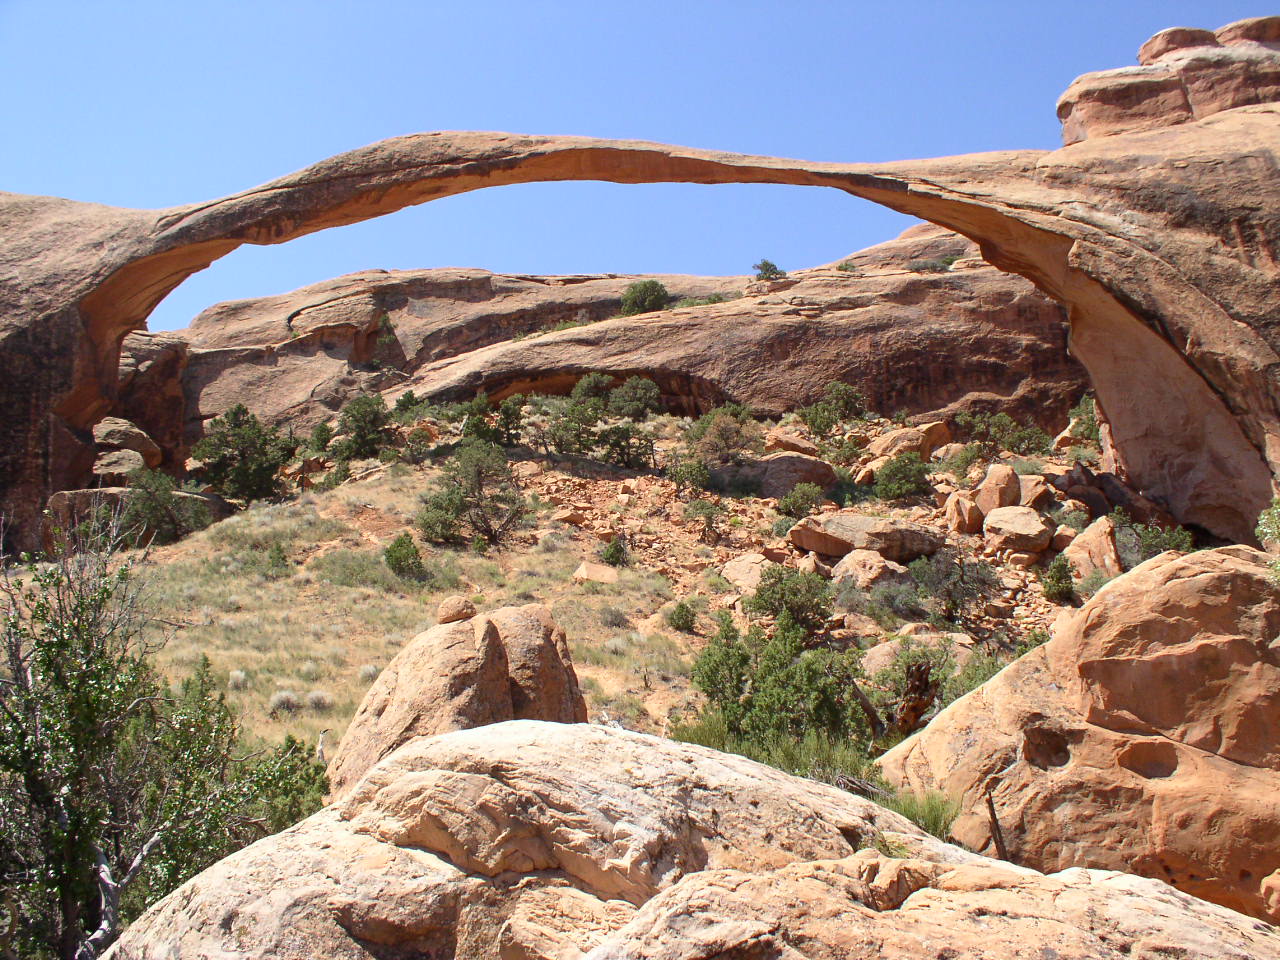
(1056,581)
(240,458)
(906,475)
(644,296)
(801,501)
(768,270)
(404,559)
(682,617)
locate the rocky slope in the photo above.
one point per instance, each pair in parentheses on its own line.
(1160,241)
(1141,737)
(910,340)
(535,840)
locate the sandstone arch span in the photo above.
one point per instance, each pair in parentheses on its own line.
(1162,244)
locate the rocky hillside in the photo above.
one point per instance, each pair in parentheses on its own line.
(919,324)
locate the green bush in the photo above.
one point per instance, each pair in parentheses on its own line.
(511,419)
(626,445)
(1092,583)
(476,496)
(682,617)
(906,475)
(999,431)
(768,270)
(363,427)
(404,559)
(840,403)
(1139,542)
(935,265)
(571,430)
(950,583)
(318,442)
(689,475)
(709,515)
(1085,414)
(724,434)
(593,386)
(644,296)
(635,398)
(615,553)
(801,501)
(1056,581)
(702,301)
(960,464)
(240,458)
(355,568)
(154,514)
(804,597)
(1268,531)
(932,811)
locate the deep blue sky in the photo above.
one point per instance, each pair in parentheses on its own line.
(151,103)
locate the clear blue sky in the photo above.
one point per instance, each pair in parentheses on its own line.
(152,103)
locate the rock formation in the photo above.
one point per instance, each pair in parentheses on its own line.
(1161,241)
(1142,737)
(537,841)
(511,664)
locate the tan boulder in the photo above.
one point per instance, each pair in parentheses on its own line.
(962,514)
(867,569)
(948,450)
(778,439)
(902,440)
(595,572)
(1141,737)
(1019,529)
(112,467)
(542,841)
(744,571)
(835,534)
(455,608)
(1094,549)
(1034,491)
(999,488)
(780,472)
(936,434)
(118,434)
(509,664)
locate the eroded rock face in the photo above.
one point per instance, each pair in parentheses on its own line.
(1141,737)
(510,664)
(1161,243)
(835,534)
(538,840)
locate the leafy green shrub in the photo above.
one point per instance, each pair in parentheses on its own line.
(240,458)
(1077,520)
(689,475)
(999,431)
(702,301)
(1028,468)
(1092,583)
(724,434)
(935,265)
(960,464)
(1268,531)
(476,496)
(356,568)
(593,386)
(768,270)
(950,583)
(906,475)
(318,442)
(615,553)
(154,514)
(1085,415)
(932,811)
(1056,581)
(571,430)
(363,425)
(644,296)
(840,403)
(801,501)
(627,445)
(635,398)
(709,514)
(804,597)
(682,617)
(1139,542)
(510,419)
(404,559)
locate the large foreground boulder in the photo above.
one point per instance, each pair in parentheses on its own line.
(1142,737)
(511,664)
(538,841)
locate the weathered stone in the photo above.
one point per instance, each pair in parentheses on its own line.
(999,488)
(835,534)
(117,434)
(455,608)
(1019,529)
(778,439)
(744,572)
(962,514)
(1094,549)
(867,569)
(596,572)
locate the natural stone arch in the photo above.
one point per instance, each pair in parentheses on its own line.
(1172,295)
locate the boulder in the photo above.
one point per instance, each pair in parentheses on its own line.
(866,569)
(453,609)
(112,467)
(117,434)
(778,439)
(544,841)
(744,571)
(835,534)
(948,450)
(1094,549)
(999,488)
(1018,529)
(509,664)
(962,514)
(780,472)
(1034,491)
(595,572)
(936,434)
(1141,737)
(902,440)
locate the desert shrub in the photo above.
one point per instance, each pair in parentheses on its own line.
(369,672)
(475,497)
(363,425)
(338,474)
(689,475)
(568,426)
(318,442)
(1138,542)
(626,445)
(724,434)
(635,398)
(932,811)
(999,431)
(410,408)
(979,668)
(804,597)
(801,501)
(1028,468)
(709,514)
(511,419)
(906,475)
(934,265)
(1056,581)
(403,558)
(237,680)
(644,296)
(1085,415)
(240,458)
(848,452)
(949,583)
(1077,520)
(615,553)
(154,514)
(355,568)
(593,386)
(614,618)
(319,701)
(682,617)
(961,463)
(284,701)
(1092,583)
(702,301)
(840,403)
(1268,530)
(768,270)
